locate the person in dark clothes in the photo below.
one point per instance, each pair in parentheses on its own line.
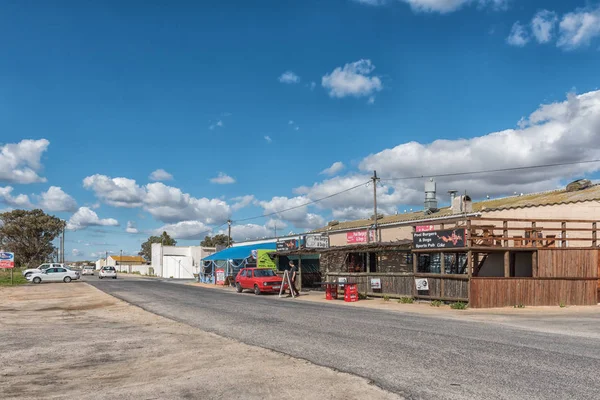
(293,275)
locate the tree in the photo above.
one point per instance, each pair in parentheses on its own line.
(219,239)
(165,239)
(29,234)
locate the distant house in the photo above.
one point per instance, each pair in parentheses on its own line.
(125,260)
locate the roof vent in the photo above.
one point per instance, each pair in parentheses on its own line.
(579,185)
(430,200)
(333,223)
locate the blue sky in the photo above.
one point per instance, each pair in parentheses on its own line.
(94,97)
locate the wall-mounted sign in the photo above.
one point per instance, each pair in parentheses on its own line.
(376,283)
(254,253)
(220,276)
(342,281)
(445,239)
(359,237)
(424,228)
(264,260)
(287,245)
(422,284)
(317,242)
(7,260)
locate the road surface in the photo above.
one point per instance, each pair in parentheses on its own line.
(412,355)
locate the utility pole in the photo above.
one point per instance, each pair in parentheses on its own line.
(229,233)
(375,179)
(275,230)
(62,246)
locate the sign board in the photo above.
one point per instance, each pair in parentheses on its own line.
(342,280)
(7,260)
(287,245)
(317,242)
(444,239)
(254,254)
(220,276)
(376,283)
(359,237)
(425,228)
(422,283)
(264,261)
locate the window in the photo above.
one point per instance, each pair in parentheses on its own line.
(262,273)
(243,273)
(51,270)
(60,270)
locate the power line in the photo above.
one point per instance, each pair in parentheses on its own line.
(303,205)
(491,170)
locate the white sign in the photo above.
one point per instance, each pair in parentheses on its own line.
(317,242)
(7,260)
(376,283)
(422,284)
(342,280)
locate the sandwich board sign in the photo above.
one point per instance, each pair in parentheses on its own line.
(7,260)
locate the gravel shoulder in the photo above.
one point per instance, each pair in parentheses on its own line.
(73,341)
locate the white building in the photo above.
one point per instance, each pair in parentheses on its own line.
(100,263)
(179,262)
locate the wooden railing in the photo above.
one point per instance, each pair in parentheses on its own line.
(500,232)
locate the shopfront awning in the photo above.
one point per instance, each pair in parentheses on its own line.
(239,252)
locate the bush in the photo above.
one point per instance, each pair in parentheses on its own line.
(520,305)
(386,298)
(362,296)
(562,304)
(459,305)
(436,303)
(406,300)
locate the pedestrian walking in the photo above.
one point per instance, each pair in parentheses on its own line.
(293,275)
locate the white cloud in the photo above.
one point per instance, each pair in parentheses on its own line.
(240,233)
(223,179)
(56,200)
(19,201)
(242,202)
(579,28)
(85,217)
(335,168)
(299,216)
(117,192)
(312,85)
(21,162)
(185,230)
(77,253)
(440,6)
(567,131)
(169,204)
(275,224)
(289,77)
(268,139)
(160,175)
(372,2)
(218,124)
(371,100)
(542,25)
(290,122)
(518,35)
(165,203)
(131,227)
(352,80)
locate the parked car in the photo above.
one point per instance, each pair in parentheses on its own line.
(54,274)
(88,270)
(107,272)
(41,268)
(259,280)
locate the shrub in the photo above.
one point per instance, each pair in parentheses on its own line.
(520,305)
(562,304)
(406,300)
(362,296)
(459,305)
(386,298)
(436,303)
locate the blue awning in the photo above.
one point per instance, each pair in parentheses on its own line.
(239,252)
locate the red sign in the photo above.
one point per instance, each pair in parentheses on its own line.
(220,276)
(425,228)
(7,260)
(359,237)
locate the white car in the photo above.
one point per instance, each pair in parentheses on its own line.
(41,268)
(87,270)
(107,272)
(54,274)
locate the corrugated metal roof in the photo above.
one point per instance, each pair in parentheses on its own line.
(548,198)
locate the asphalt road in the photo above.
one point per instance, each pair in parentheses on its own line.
(412,355)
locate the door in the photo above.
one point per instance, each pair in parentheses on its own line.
(243,279)
(51,275)
(60,274)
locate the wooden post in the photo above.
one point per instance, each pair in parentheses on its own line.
(299,272)
(469,271)
(563,234)
(415,262)
(533,235)
(469,240)
(594,235)
(442,272)
(505,232)
(534,264)
(507,264)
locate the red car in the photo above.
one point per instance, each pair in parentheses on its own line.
(259,280)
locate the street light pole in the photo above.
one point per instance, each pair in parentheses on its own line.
(121,262)
(229,233)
